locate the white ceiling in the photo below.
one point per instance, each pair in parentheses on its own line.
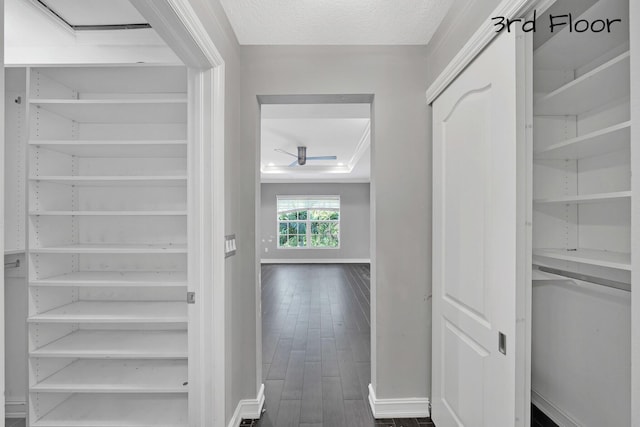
(340,130)
(335,22)
(96,12)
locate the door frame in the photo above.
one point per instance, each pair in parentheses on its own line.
(181,28)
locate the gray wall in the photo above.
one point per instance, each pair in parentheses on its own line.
(240,271)
(401,184)
(354,221)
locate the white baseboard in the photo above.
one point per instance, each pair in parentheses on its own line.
(411,407)
(15,409)
(316,261)
(248,408)
(557,415)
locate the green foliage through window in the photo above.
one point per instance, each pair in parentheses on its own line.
(308,223)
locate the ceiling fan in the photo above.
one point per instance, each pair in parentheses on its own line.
(301,157)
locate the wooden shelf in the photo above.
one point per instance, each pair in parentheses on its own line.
(603,141)
(115,312)
(113,248)
(118,376)
(542,276)
(587,46)
(117,344)
(104,410)
(132,148)
(598,87)
(116,279)
(14,251)
(116,181)
(108,213)
(139,111)
(617,260)
(587,198)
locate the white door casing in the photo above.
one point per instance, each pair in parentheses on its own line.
(479,225)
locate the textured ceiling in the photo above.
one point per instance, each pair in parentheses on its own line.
(335,22)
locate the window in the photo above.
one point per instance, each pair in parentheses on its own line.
(308,222)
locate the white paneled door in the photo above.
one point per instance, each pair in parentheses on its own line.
(479,226)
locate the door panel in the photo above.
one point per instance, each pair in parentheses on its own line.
(478,177)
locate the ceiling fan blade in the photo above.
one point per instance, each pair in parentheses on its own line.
(322,158)
(280,150)
(293,164)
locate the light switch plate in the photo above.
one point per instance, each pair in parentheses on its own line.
(229,245)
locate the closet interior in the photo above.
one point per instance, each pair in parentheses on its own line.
(100,189)
(581,313)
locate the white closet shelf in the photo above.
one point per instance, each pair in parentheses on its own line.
(617,260)
(108,213)
(115,148)
(115,312)
(539,276)
(113,248)
(117,344)
(587,198)
(116,279)
(586,46)
(603,141)
(13,251)
(140,111)
(104,410)
(598,87)
(118,376)
(116,181)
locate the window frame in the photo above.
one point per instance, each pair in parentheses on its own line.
(308,222)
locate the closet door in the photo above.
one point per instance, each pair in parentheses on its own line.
(479,260)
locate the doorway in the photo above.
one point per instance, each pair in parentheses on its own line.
(314,245)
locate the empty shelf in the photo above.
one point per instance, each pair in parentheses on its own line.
(115,312)
(586,198)
(598,87)
(115,278)
(571,50)
(140,111)
(118,376)
(133,148)
(102,181)
(108,213)
(113,248)
(617,260)
(104,410)
(101,344)
(603,141)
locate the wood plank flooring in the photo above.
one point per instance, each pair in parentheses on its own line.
(316,347)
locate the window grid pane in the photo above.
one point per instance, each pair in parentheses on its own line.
(316,226)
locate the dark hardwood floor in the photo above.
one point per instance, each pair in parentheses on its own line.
(316,347)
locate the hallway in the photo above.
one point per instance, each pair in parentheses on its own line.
(316,346)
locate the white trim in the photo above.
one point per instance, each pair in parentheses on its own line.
(410,407)
(248,409)
(557,415)
(315,261)
(363,144)
(180,26)
(480,39)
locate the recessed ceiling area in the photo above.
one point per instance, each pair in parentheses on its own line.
(340,130)
(335,22)
(87,13)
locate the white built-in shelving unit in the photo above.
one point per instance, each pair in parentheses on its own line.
(582,171)
(582,221)
(107,246)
